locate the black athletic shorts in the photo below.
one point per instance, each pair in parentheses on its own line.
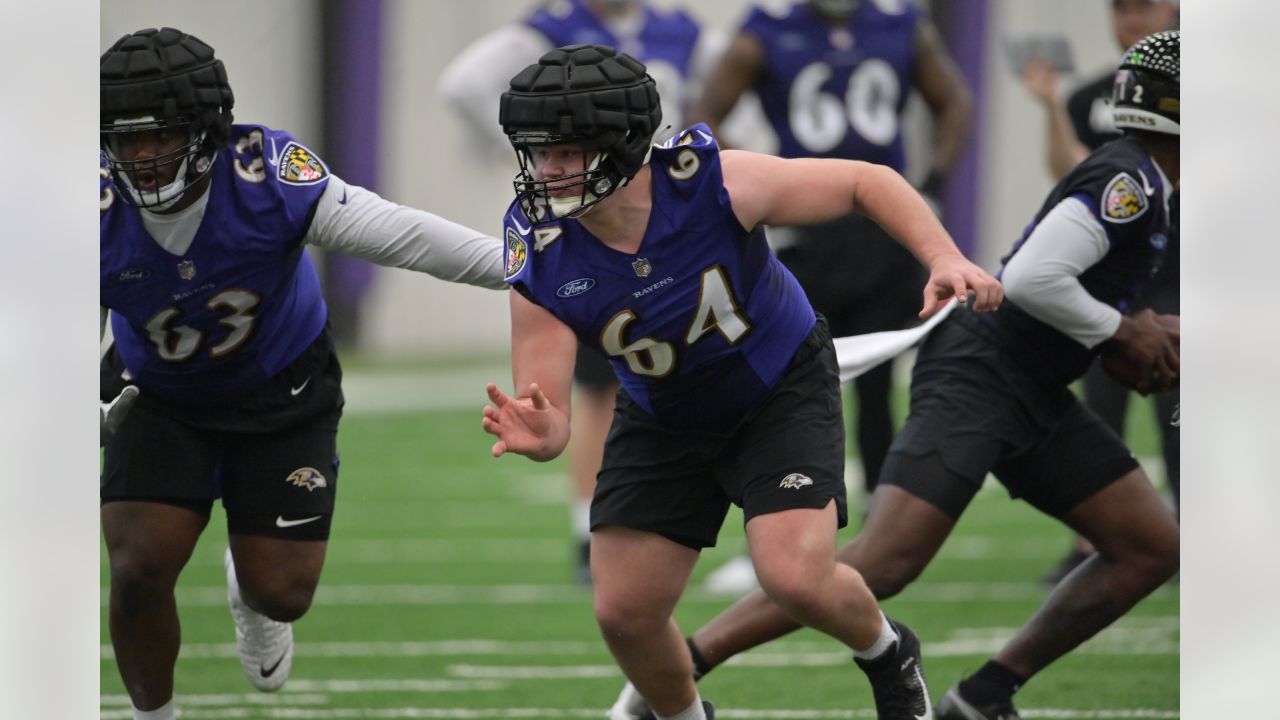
(856,275)
(788,452)
(592,370)
(973,411)
(272,457)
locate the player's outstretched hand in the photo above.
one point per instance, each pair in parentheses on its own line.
(522,424)
(955,276)
(111,414)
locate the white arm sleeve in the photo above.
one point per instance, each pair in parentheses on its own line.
(1042,278)
(355,221)
(476,79)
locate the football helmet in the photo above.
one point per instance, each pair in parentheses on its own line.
(589,96)
(168,84)
(1145,93)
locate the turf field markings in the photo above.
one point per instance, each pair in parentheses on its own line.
(219,699)
(534,672)
(413,713)
(440,648)
(549,594)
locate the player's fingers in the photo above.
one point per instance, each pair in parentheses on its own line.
(930,302)
(540,401)
(499,448)
(960,289)
(986,295)
(498,397)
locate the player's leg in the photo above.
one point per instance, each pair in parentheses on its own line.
(791,456)
(593,401)
(279,496)
(1137,550)
(655,507)
(1084,475)
(148,544)
(638,577)
(1109,400)
(157,491)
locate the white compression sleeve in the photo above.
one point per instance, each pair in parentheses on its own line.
(1042,278)
(357,222)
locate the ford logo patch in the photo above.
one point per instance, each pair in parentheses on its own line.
(131,275)
(575,287)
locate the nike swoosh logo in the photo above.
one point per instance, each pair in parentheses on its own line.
(266,672)
(343,201)
(300,388)
(928,706)
(282,523)
(1146,184)
(523,230)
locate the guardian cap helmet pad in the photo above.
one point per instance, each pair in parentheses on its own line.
(585,95)
(153,81)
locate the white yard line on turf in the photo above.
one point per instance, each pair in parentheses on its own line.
(381,595)
(962,642)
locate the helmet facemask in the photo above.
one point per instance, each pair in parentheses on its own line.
(185,164)
(546,199)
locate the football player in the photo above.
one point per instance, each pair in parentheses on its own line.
(730,389)
(220,334)
(1075,128)
(677,52)
(833,77)
(989,393)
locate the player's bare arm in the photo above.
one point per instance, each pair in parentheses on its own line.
(535,422)
(946,93)
(768,190)
(733,75)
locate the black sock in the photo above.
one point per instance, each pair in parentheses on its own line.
(992,683)
(700,665)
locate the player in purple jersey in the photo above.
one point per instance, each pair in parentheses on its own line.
(989,394)
(678,54)
(730,390)
(221,346)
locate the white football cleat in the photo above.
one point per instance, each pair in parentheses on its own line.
(736,577)
(265,645)
(629,705)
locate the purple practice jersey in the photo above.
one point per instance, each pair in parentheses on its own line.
(207,327)
(1126,192)
(664,44)
(837,90)
(701,322)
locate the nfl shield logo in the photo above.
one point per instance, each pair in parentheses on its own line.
(642,267)
(186,269)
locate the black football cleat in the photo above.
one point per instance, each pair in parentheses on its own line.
(953,706)
(897,679)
